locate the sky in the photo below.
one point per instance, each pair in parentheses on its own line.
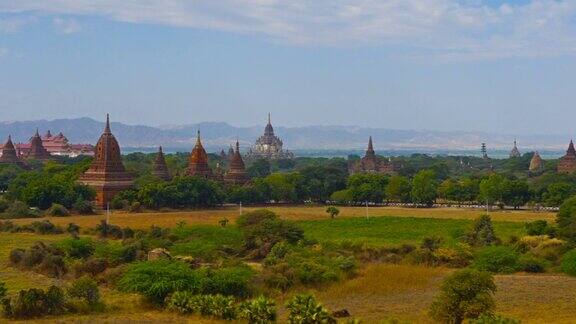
(484,65)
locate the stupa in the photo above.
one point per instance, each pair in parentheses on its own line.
(9,155)
(159,167)
(236,171)
(198,163)
(107,174)
(567,163)
(37,149)
(371,163)
(536,163)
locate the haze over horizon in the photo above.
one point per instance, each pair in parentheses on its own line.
(496,66)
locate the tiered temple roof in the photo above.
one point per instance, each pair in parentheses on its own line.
(515,152)
(37,149)
(9,155)
(236,172)
(372,163)
(536,163)
(159,167)
(567,163)
(198,163)
(107,174)
(269,146)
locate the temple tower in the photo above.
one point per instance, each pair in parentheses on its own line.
(236,172)
(536,163)
(567,163)
(372,163)
(198,163)
(159,167)
(515,152)
(107,174)
(37,149)
(9,155)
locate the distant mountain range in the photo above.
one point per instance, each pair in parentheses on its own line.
(218,136)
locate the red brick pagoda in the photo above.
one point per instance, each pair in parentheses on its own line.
(567,163)
(37,149)
(9,155)
(371,163)
(107,174)
(198,163)
(159,167)
(236,172)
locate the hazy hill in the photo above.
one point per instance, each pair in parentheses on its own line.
(220,135)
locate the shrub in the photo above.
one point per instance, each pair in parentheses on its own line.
(536,227)
(4,204)
(157,279)
(108,230)
(58,210)
(19,209)
(260,310)
(135,207)
(499,259)
(77,248)
(85,289)
(566,220)
(34,302)
(465,294)
(332,211)
(482,233)
(262,229)
(532,264)
(3,290)
(92,266)
(53,266)
(218,306)
(569,263)
(304,309)
(84,207)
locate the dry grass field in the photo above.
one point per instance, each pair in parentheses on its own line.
(379,292)
(211,216)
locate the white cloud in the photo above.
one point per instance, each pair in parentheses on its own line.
(445,28)
(66,25)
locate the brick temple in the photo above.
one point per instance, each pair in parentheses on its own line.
(567,163)
(371,163)
(107,174)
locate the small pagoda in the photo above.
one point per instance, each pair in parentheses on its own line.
(107,174)
(198,163)
(37,149)
(371,163)
(567,163)
(515,153)
(536,163)
(159,167)
(236,171)
(9,155)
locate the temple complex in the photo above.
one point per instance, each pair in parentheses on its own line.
(515,152)
(159,167)
(567,163)
(269,146)
(371,163)
(55,145)
(236,171)
(9,155)
(536,163)
(37,149)
(198,163)
(107,174)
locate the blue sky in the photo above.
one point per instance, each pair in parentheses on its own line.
(495,66)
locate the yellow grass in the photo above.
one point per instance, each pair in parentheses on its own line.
(211,216)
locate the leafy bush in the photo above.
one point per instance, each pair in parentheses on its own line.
(4,204)
(46,259)
(41,227)
(3,290)
(493,319)
(482,233)
(92,266)
(19,209)
(217,306)
(566,220)
(260,310)
(499,259)
(34,303)
(465,294)
(304,309)
(262,229)
(537,227)
(77,248)
(569,263)
(58,210)
(85,289)
(532,264)
(84,207)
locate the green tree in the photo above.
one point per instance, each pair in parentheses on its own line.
(515,193)
(557,193)
(465,294)
(332,211)
(367,187)
(491,189)
(284,186)
(398,189)
(304,309)
(259,169)
(566,220)
(424,188)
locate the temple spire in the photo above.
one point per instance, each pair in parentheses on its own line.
(107,128)
(269,119)
(571,149)
(370,150)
